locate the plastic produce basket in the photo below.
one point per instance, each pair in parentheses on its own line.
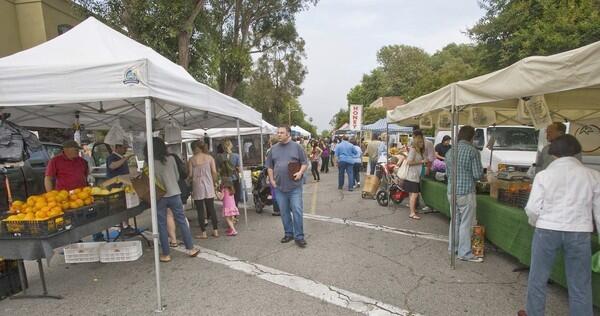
(36,228)
(83,252)
(86,214)
(111,203)
(121,251)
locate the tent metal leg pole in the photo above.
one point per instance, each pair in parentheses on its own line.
(387,157)
(262,148)
(242,180)
(150,162)
(453,177)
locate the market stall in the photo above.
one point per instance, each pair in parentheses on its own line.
(534,91)
(94,76)
(506,227)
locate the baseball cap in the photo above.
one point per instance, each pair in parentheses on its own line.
(71,144)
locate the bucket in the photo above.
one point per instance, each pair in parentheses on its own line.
(478,240)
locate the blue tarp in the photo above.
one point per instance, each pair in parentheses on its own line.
(380,126)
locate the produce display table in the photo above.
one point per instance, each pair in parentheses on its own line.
(507,228)
(27,248)
(35,248)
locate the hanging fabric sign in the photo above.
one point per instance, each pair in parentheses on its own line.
(588,134)
(444,121)
(482,117)
(355,117)
(538,111)
(425,122)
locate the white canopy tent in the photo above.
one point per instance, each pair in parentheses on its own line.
(99,76)
(300,131)
(229,132)
(569,83)
(265,128)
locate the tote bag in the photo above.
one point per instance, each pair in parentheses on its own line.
(141,185)
(402,172)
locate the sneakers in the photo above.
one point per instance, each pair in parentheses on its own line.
(231,233)
(286,239)
(472,259)
(300,243)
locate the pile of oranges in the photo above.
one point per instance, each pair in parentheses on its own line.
(50,204)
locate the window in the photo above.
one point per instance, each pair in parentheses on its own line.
(479,140)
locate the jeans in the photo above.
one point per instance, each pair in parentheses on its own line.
(578,260)
(209,206)
(325,164)
(465,207)
(345,167)
(372,165)
(314,168)
(174,203)
(356,171)
(291,208)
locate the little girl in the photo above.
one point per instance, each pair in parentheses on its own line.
(229,208)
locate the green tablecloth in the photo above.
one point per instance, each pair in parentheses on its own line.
(506,227)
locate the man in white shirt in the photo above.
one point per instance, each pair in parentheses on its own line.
(564,202)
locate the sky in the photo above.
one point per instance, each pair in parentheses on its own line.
(343,37)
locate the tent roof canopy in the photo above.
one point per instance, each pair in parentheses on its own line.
(569,81)
(300,130)
(267,129)
(382,125)
(101,75)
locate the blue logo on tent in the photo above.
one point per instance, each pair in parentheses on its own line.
(131,77)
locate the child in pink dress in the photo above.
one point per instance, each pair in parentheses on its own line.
(229,208)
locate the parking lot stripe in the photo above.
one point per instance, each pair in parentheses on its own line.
(383,228)
(327,293)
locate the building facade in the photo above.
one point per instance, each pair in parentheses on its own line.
(388,103)
(27,23)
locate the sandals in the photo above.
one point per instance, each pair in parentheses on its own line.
(414,216)
(163,258)
(202,235)
(192,252)
(173,244)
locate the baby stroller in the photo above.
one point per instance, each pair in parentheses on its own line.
(261,190)
(391,185)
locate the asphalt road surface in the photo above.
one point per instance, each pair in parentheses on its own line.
(360,258)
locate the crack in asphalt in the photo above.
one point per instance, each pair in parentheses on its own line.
(346,299)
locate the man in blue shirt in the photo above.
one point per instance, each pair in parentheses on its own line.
(345,153)
(116,163)
(468,171)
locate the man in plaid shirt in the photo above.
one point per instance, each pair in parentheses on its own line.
(469,170)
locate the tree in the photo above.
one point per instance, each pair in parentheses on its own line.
(512,30)
(370,88)
(403,67)
(276,81)
(340,118)
(452,63)
(243,28)
(160,24)
(372,115)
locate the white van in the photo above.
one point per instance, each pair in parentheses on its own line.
(514,146)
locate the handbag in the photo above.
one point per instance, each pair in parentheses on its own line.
(402,172)
(141,185)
